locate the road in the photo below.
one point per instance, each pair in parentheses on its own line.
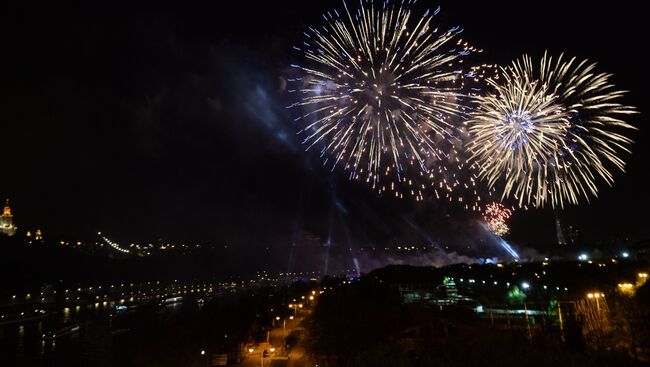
(296,357)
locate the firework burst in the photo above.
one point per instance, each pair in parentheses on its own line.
(379,92)
(548,134)
(495,216)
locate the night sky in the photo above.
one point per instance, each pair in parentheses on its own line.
(169,121)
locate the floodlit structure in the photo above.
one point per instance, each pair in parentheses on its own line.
(7,226)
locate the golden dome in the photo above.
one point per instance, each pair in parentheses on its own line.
(7,209)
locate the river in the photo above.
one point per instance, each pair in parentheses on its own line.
(105,337)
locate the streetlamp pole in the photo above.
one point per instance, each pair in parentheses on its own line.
(530,336)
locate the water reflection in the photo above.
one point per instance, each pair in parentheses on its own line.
(107,336)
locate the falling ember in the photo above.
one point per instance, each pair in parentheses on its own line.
(495,216)
(379,94)
(546,136)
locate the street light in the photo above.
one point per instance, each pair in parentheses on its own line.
(251,350)
(596,296)
(284,328)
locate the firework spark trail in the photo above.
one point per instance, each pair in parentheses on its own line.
(547,135)
(495,216)
(379,90)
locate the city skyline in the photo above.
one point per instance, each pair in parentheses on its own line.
(326,183)
(172,124)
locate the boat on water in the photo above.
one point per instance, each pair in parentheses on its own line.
(66,330)
(125,308)
(173,300)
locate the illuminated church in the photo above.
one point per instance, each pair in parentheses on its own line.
(7,226)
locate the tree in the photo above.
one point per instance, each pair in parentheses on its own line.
(515,296)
